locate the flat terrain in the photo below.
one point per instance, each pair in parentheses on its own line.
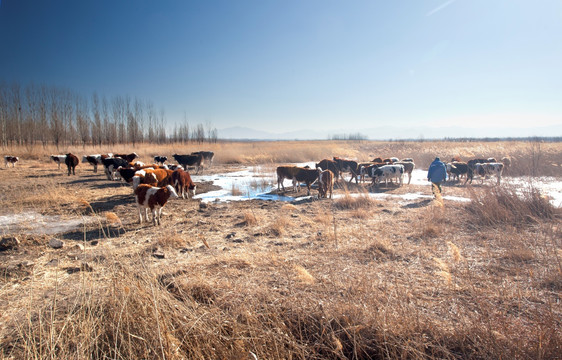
(345,278)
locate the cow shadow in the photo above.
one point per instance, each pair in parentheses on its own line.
(112,184)
(43,176)
(99,233)
(83,181)
(381,189)
(111,203)
(419,204)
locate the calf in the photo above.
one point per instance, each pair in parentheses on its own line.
(10,160)
(308,176)
(94,160)
(189,160)
(331,165)
(325,183)
(387,172)
(58,159)
(181,180)
(153,198)
(160,159)
(71,162)
(348,166)
(128,157)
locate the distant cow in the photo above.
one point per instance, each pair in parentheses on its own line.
(160,159)
(153,198)
(408,168)
(325,183)
(457,169)
(10,160)
(181,180)
(58,159)
(129,157)
(366,169)
(331,165)
(94,160)
(207,156)
(189,160)
(350,166)
(71,162)
(387,172)
(485,169)
(111,165)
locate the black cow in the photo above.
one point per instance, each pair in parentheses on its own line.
(160,159)
(189,160)
(112,164)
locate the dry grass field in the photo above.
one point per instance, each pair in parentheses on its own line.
(349,278)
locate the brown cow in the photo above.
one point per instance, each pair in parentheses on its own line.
(181,180)
(325,183)
(153,198)
(71,162)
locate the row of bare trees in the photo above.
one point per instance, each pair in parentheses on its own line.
(33,115)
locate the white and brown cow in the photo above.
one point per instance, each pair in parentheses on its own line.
(181,180)
(153,198)
(387,172)
(10,160)
(58,159)
(325,183)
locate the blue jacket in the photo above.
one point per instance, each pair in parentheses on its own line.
(437,171)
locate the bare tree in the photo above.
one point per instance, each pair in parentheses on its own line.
(96,125)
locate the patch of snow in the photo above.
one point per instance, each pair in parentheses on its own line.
(36,224)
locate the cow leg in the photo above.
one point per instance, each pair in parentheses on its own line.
(95,168)
(139,208)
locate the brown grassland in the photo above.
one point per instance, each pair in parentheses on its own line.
(349,278)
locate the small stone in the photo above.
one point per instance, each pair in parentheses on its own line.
(56,243)
(8,243)
(231,235)
(203,205)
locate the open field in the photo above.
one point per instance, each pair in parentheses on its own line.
(345,278)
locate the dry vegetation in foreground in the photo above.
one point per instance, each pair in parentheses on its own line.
(349,278)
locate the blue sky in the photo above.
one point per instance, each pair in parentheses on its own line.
(300,64)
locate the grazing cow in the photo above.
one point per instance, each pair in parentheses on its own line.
(153,198)
(387,172)
(456,170)
(128,157)
(71,162)
(58,159)
(181,180)
(285,172)
(189,160)
(325,183)
(485,169)
(350,166)
(111,165)
(331,165)
(408,168)
(94,160)
(160,159)
(174,166)
(207,156)
(10,160)
(308,176)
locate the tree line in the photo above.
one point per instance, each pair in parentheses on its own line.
(43,115)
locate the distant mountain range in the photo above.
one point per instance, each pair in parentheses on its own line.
(391,132)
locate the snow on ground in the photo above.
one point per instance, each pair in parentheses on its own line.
(35,223)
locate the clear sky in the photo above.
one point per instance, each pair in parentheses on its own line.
(299,64)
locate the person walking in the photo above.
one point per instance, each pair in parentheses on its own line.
(436,173)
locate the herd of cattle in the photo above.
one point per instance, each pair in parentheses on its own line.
(154,184)
(327,172)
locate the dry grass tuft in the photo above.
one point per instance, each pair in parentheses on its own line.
(279,225)
(349,202)
(455,252)
(303,275)
(249,218)
(381,249)
(171,239)
(506,205)
(112,218)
